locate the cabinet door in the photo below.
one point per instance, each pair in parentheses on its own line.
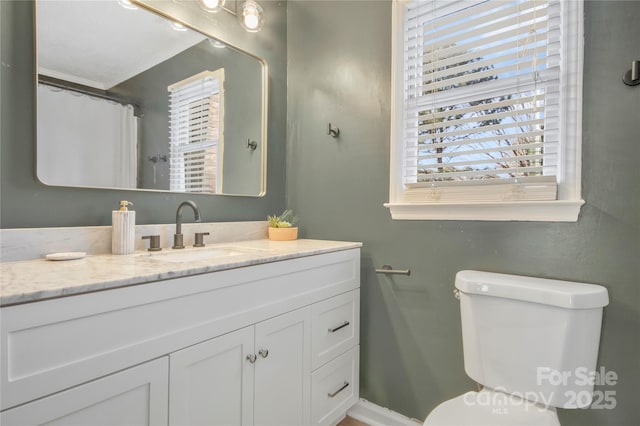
(283,374)
(211,383)
(136,396)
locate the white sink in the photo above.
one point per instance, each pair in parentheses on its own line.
(195,255)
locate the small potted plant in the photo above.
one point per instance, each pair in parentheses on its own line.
(281,227)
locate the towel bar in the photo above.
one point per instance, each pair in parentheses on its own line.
(388,269)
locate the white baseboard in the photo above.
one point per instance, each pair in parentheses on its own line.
(374,415)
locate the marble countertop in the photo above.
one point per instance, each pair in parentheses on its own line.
(34,280)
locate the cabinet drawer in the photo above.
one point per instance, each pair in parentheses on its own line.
(335,325)
(334,388)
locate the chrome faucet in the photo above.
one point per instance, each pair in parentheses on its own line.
(178,242)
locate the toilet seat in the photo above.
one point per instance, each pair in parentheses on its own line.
(491,408)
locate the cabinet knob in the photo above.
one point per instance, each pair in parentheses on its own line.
(252,358)
(264,353)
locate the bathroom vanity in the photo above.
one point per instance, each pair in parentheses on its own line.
(257,333)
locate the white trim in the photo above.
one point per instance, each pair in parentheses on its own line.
(539,211)
(570,167)
(72,78)
(217,74)
(375,415)
(566,208)
(196,91)
(396,187)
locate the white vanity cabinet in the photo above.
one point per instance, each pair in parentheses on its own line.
(283,370)
(134,397)
(275,343)
(212,382)
(263,374)
(257,375)
(335,357)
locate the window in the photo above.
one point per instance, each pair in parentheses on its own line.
(195,133)
(486,110)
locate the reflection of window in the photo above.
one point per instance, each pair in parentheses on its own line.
(485,109)
(195,129)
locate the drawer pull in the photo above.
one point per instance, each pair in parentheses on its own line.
(263,353)
(343,325)
(252,358)
(331,395)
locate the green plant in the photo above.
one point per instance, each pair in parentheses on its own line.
(285,220)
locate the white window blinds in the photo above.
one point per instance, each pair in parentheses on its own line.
(481,100)
(195,131)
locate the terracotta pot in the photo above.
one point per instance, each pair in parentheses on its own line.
(283,234)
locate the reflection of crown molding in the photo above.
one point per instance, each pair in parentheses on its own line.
(71,78)
(78,41)
(149,61)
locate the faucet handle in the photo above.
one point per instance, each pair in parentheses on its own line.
(178,242)
(200,239)
(154,242)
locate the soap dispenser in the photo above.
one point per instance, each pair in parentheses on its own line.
(123,227)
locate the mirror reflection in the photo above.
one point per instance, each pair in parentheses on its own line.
(129,99)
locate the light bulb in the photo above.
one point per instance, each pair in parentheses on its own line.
(251,21)
(250,16)
(212,6)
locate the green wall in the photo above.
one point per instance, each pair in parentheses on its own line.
(338,56)
(242,171)
(27,203)
(411,352)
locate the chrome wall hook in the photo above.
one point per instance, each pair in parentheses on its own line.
(632,77)
(252,145)
(334,132)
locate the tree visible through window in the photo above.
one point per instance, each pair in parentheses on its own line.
(481,113)
(465,51)
(482,139)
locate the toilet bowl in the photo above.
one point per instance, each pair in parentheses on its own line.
(491,408)
(519,334)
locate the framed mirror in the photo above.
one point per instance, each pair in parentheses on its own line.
(130,99)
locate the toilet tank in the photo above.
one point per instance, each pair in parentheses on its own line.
(531,337)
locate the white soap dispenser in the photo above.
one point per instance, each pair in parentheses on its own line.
(123,229)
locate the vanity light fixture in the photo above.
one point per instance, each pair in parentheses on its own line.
(251,16)
(211,6)
(249,12)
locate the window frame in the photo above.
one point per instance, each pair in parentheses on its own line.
(215,147)
(566,208)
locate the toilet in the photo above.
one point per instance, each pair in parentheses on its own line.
(530,343)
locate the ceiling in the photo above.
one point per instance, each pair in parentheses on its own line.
(101,44)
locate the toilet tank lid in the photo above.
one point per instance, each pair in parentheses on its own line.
(565,294)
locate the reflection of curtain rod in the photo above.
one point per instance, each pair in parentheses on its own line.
(61,84)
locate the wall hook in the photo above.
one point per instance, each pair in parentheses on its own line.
(334,132)
(252,144)
(154,159)
(632,77)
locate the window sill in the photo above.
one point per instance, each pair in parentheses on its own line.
(537,211)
